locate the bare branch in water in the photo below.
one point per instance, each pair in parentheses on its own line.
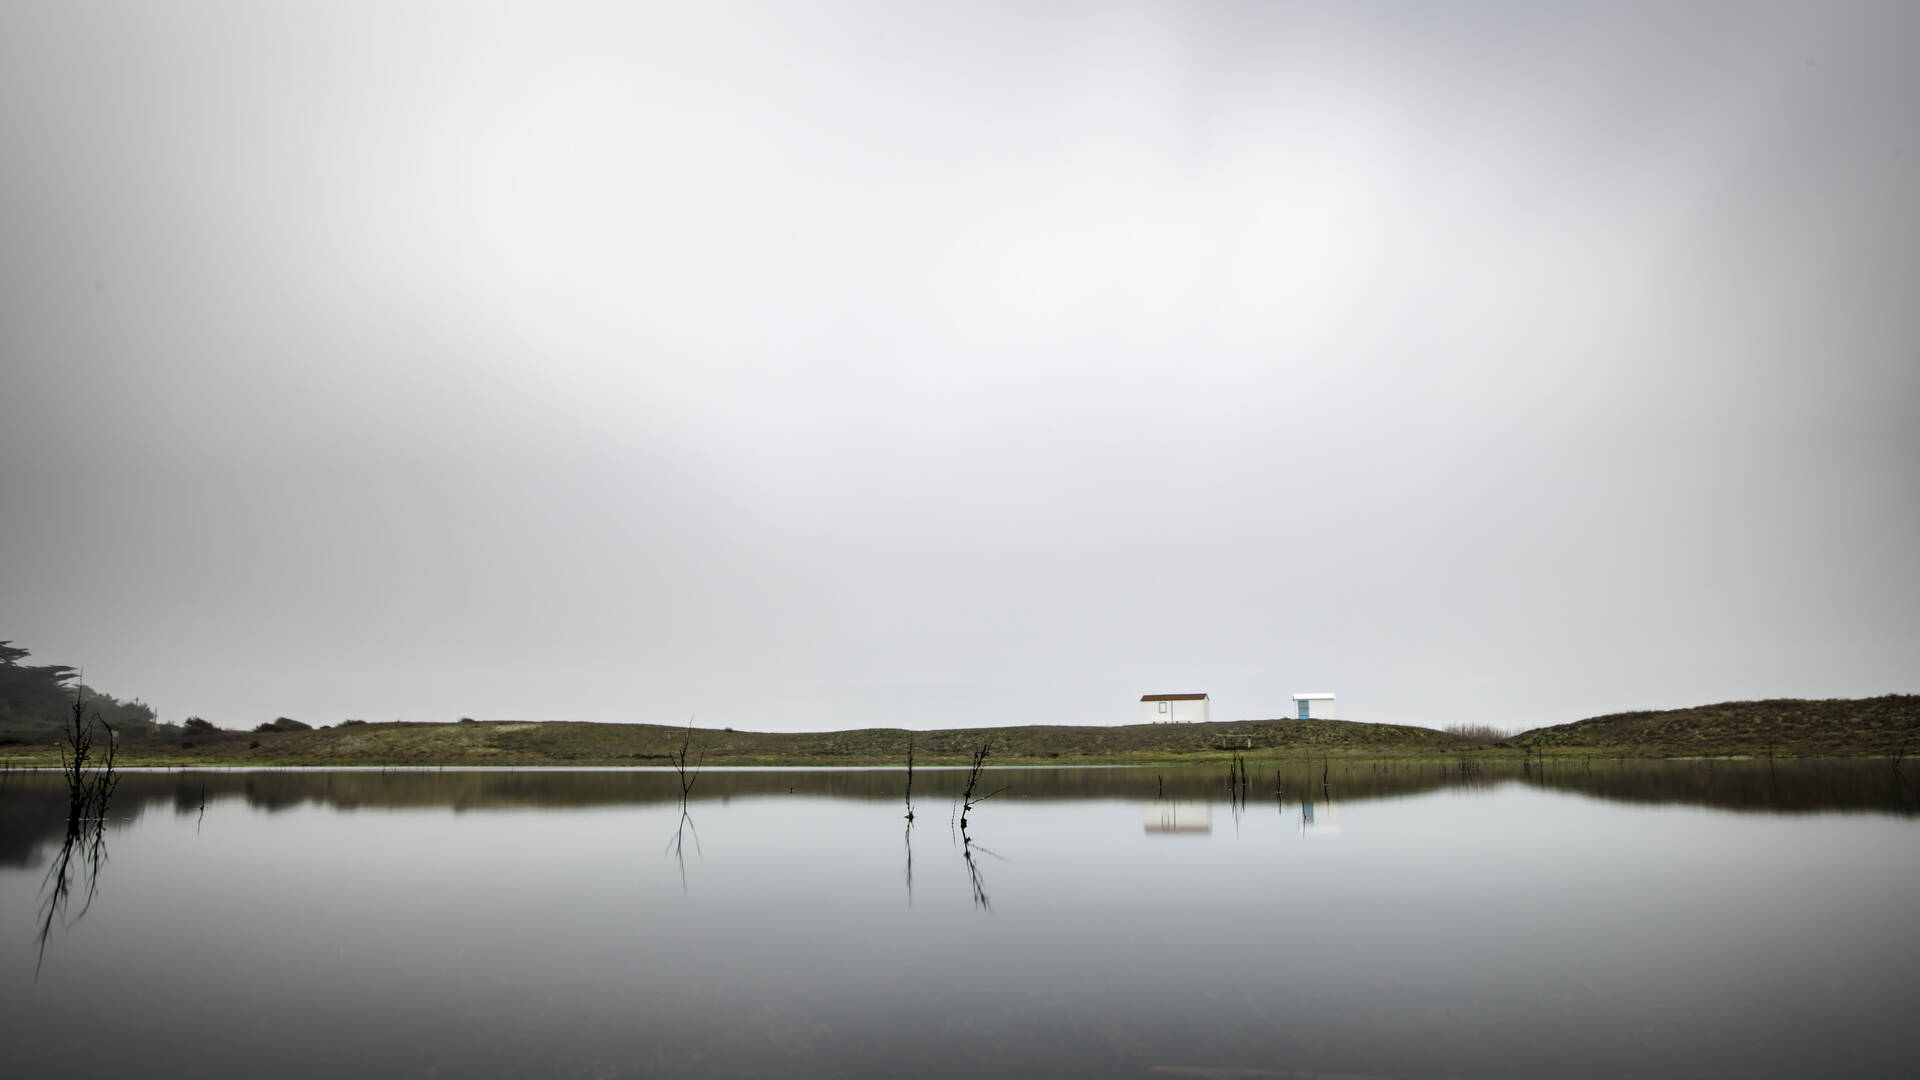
(967,799)
(909,776)
(679,760)
(91,780)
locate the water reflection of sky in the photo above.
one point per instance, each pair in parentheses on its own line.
(1505,928)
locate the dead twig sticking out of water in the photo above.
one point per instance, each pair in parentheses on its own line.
(967,799)
(91,780)
(679,760)
(677,845)
(963,807)
(1238,780)
(909,798)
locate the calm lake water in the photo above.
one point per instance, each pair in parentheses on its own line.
(1659,919)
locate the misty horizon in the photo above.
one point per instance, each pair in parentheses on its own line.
(855,365)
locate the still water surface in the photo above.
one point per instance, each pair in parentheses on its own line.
(1660,919)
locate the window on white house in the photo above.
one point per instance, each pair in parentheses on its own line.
(1163,706)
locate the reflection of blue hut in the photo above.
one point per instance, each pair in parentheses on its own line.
(1323,823)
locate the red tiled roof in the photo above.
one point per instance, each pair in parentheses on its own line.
(1173,697)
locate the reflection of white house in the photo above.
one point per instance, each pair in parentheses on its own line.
(1313,706)
(1173,709)
(1177,816)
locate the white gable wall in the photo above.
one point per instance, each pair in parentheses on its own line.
(1175,712)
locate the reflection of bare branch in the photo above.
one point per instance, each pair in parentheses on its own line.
(58,884)
(680,834)
(677,845)
(973,871)
(985,850)
(909,842)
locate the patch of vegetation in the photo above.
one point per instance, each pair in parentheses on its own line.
(1476,734)
(1782,726)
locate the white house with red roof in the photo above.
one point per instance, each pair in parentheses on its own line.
(1173,709)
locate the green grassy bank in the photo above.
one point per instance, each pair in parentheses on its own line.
(1786,726)
(562,743)
(1873,726)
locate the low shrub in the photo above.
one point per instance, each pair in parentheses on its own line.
(1477,734)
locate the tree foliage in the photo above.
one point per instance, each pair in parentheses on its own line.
(36,698)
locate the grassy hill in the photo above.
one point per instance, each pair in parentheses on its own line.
(561,743)
(1834,727)
(1883,725)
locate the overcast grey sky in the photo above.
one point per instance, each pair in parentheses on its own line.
(812,365)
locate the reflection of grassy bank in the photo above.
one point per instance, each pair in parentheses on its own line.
(1885,725)
(33,806)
